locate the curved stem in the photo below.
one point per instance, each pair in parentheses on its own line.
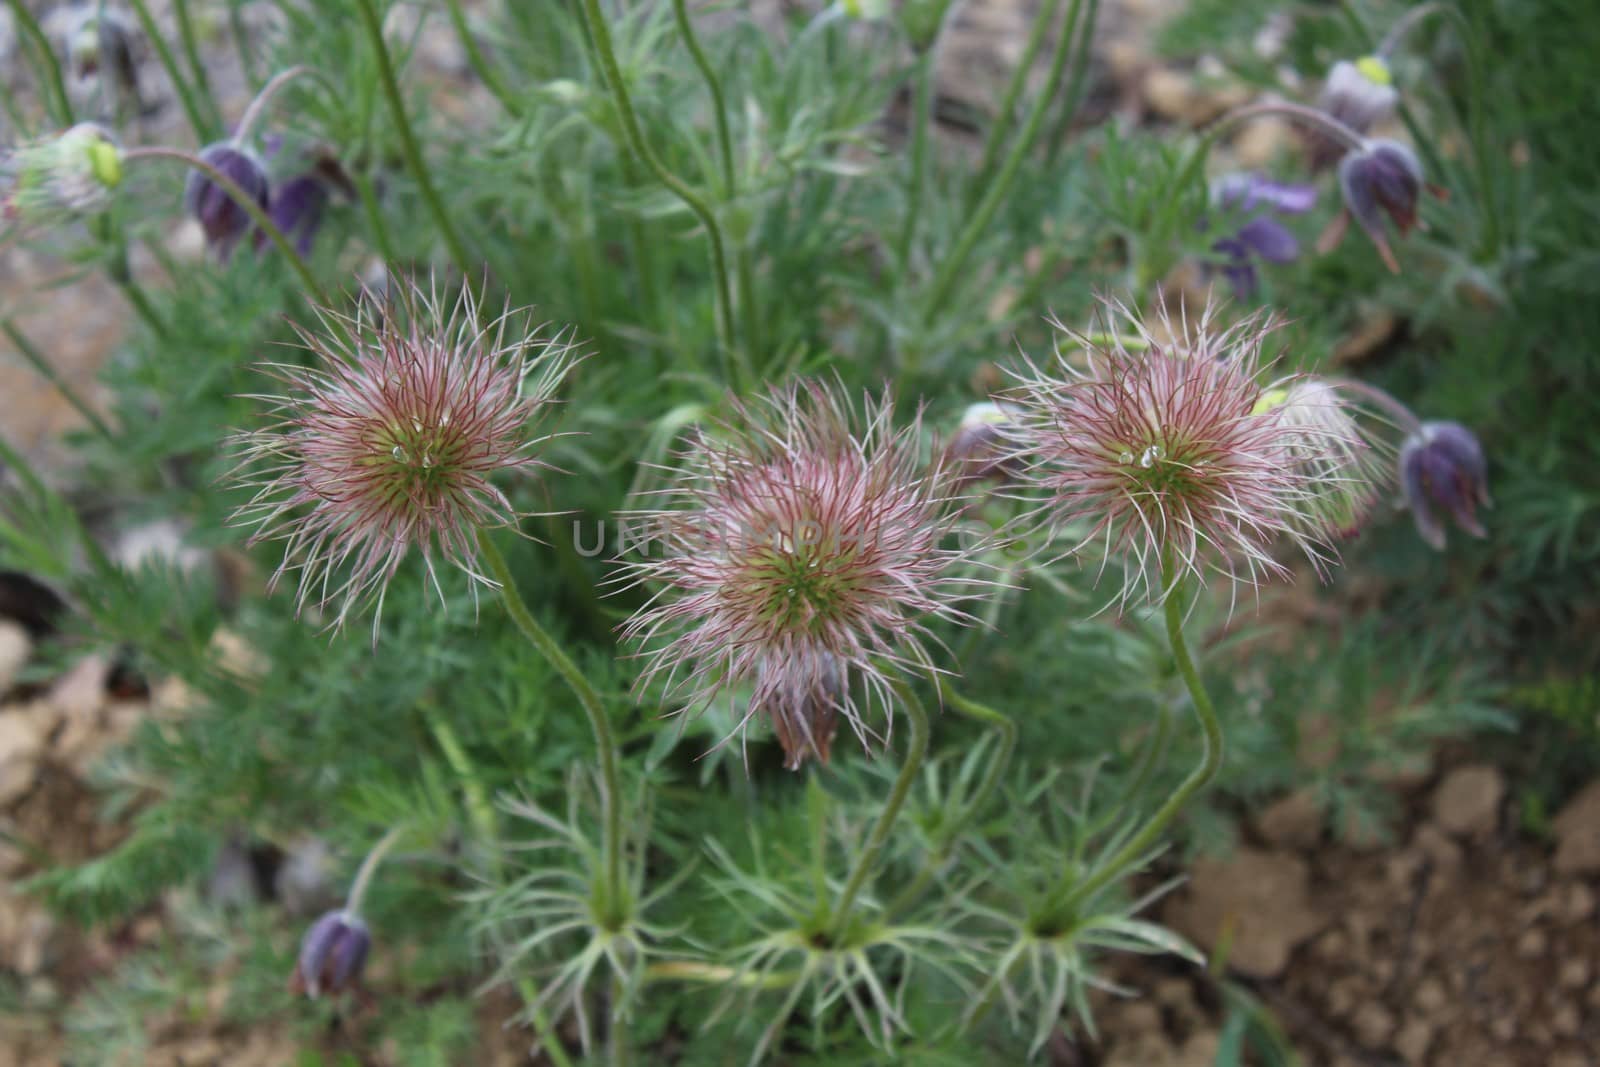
(1404,25)
(262,220)
(916,751)
(1406,420)
(408,139)
(1210,759)
(191,53)
(1007,730)
(1308,116)
(956,259)
(719,108)
(589,699)
(198,121)
(252,113)
(916,187)
(1005,115)
(369,867)
(600,36)
(40,364)
(479,63)
(62,109)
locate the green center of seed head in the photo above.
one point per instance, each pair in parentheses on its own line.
(803,573)
(419,453)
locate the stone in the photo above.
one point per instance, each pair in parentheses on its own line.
(20,746)
(1577,830)
(1258,901)
(1467,802)
(1374,1024)
(1532,944)
(1441,850)
(1413,1040)
(1574,974)
(1566,1020)
(15,648)
(1294,821)
(1430,996)
(1577,903)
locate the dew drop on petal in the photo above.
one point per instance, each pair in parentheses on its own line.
(399,454)
(1149,457)
(1125,457)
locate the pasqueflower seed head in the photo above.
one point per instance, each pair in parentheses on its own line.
(1169,454)
(802,558)
(388,442)
(1442,469)
(332,955)
(57,179)
(1339,451)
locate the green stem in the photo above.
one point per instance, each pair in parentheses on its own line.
(589,699)
(1210,758)
(481,813)
(262,220)
(917,180)
(600,37)
(369,207)
(916,751)
(1080,74)
(719,108)
(62,110)
(369,867)
(1005,116)
(479,63)
(241,45)
(977,225)
(198,121)
(1007,730)
(197,69)
(39,363)
(408,139)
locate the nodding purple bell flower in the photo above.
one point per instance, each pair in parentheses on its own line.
(1383,178)
(1359,94)
(1442,470)
(1260,236)
(332,954)
(299,203)
(224,221)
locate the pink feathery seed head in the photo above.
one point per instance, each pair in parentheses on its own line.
(801,558)
(389,440)
(1162,451)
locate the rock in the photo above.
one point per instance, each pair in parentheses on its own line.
(1295,821)
(1566,1020)
(1374,1024)
(1430,996)
(1443,853)
(1180,97)
(1263,142)
(20,745)
(1577,903)
(1577,830)
(1413,1040)
(15,648)
(1574,974)
(1532,944)
(1259,900)
(1467,802)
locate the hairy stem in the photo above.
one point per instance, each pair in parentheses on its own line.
(408,139)
(589,699)
(978,223)
(369,867)
(916,751)
(480,64)
(262,220)
(719,107)
(39,363)
(1210,758)
(600,37)
(1005,115)
(198,120)
(60,103)
(253,112)
(1007,729)
(917,179)
(191,53)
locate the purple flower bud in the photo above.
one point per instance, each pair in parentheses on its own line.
(1382,178)
(1442,470)
(979,448)
(1360,95)
(297,208)
(224,221)
(332,955)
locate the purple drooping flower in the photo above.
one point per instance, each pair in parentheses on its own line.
(1383,178)
(801,556)
(1442,469)
(296,209)
(390,442)
(332,955)
(1259,235)
(1358,94)
(223,220)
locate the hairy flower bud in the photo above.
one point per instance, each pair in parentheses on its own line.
(223,221)
(332,955)
(1359,94)
(1384,178)
(59,178)
(1442,469)
(979,449)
